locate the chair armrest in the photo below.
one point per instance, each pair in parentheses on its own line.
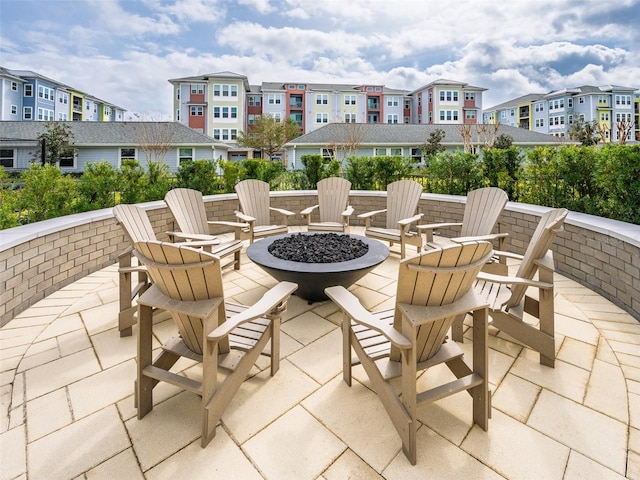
(506,280)
(194,236)
(228,224)
(271,301)
(371,214)
(308,210)
(245,218)
(138,268)
(410,220)
(348,212)
(351,306)
(435,226)
(503,254)
(491,236)
(284,212)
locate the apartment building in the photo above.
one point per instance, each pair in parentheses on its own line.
(222,104)
(555,112)
(29,96)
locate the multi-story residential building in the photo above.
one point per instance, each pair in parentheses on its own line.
(29,96)
(446,102)
(222,104)
(555,112)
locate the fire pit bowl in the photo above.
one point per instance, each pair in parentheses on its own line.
(313,278)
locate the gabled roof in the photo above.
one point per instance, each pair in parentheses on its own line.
(410,135)
(109,133)
(443,81)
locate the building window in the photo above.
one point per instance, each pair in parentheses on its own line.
(28,90)
(274,99)
(14,109)
(569,102)
(581,100)
(448,96)
(470,114)
(392,118)
(277,116)
(216,133)
(14,86)
(178,93)
(322,118)
(45,92)
(416,155)
(67,160)
(62,117)
(234,90)
(216,90)
(27,113)
(197,111)
(234,133)
(350,118)
(8,157)
(469,95)
(395,152)
(322,99)
(327,154)
(127,154)
(45,114)
(178,114)
(254,101)
(225,112)
(234,112)
(380,152)
(185,155)
(392,102)
(349,99)
(197,89)
(225,90)
(251,119)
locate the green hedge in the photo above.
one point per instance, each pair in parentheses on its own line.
(599,180)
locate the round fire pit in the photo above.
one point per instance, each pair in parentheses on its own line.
(313,278)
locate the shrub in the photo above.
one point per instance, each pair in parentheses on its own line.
(389,169)
(97,187)
(502,169)
(618,176)
(361,173)
(455,173)
(158,181)
(260,169)
(199,175)
(8,202)
(232,173)
(47,193)
(132,181)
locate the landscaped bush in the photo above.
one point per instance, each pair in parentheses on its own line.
(199,175)
(599,180)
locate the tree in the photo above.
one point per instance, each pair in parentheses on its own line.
(58,143)
(155,139)
(269,134)
(584,132)
(433,145)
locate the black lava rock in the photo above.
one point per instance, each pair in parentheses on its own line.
(318,248)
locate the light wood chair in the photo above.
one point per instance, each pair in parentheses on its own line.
(224,337)
(333,206)
(433,289)
(402,203)
(481,213)
(507,295)
(187,207)
(255,210)
(137,227)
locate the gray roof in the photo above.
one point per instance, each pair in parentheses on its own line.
(529,98)
(402,134)
(109,133)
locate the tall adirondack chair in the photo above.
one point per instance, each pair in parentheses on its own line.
(402,203)
(333,206)
(135,223)
(507,295)
(255,210)
(187,207)
(224,337)
(433,289)
(481,212)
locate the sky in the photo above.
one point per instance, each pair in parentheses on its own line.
(125,51)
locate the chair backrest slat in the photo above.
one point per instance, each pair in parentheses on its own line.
(135,222)
(187,207)
(185,274)
(433,287)
(402,201)
(253,196)
(550,224)
(333,198)
(482,210)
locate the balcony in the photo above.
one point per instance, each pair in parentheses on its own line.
(68,376)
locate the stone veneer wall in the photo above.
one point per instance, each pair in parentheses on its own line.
(38,259)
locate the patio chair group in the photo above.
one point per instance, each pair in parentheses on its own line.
(449,281)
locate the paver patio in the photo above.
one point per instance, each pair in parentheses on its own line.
(67,399)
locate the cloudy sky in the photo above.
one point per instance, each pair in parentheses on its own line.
(124,51)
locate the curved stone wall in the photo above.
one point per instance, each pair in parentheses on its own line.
(38,259)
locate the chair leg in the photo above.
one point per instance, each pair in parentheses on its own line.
(275,344)
(457,329)
(480,393)
(346,349)
(144,385)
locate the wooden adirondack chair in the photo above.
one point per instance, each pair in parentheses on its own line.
(255,210)
(433,288)
(136,225)
(333,206)
(481,212)
(507,295)
(225,337)
(187,207)
(402,203)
